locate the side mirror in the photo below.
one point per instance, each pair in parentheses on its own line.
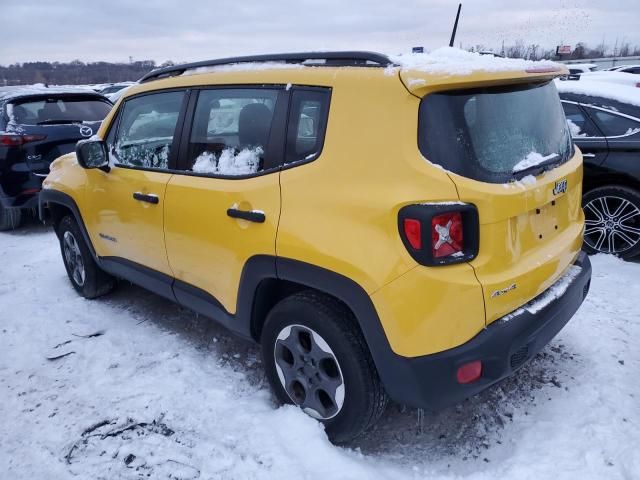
(92,154)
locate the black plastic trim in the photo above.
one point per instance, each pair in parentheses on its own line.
(145,277)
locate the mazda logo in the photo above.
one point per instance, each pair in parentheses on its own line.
(86,131)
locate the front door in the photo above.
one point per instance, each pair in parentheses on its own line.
(224,206)
(125,217)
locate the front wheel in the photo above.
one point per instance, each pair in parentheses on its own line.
(612,221)
(87,278)
(315,357)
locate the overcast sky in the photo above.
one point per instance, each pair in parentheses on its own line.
(187,30)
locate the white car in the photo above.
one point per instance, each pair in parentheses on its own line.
(612,77)
(580,68)
(625,69)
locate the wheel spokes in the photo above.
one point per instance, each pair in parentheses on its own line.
(309,371)
(612,224)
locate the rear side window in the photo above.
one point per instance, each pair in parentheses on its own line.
(307,124)
(579,124)
(495,134)
(613,125)
(231,130)
(146,129)
(56,110)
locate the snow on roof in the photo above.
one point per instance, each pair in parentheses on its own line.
(611,91)
(7,93)
(243,66)
(453,61)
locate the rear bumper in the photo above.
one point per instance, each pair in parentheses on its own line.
(504,346)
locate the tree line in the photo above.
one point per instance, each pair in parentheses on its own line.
(74,73)
(581,50)
(81,73)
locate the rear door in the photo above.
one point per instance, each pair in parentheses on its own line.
(125,209)
(223,207)
(509,152)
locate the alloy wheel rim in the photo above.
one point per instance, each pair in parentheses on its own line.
(73,258)
(612,224)
(309,371)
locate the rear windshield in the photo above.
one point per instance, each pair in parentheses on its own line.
(495,134)
(44,111)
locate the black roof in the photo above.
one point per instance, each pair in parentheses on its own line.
(19,91)
(329,59)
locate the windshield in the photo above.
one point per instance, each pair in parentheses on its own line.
(43,111)
(495,134)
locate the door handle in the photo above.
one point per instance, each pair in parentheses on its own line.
(251,215)
(146,197)
(588,155)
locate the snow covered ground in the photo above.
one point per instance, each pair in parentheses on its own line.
(160,393)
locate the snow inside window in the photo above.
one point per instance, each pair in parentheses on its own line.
(231,129)
(229,162)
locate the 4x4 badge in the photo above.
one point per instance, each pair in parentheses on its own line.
(560,187)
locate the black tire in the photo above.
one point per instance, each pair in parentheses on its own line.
(612,221)
(92,282)
(364,396)
(9,218)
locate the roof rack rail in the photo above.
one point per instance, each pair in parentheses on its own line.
(329,59)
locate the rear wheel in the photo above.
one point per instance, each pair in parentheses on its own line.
(315,357)
(87,278)
(9,218)
(612,221)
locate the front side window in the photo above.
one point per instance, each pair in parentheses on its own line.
(495,134)
(307,124)
(579,124)
(614,125)
(145,130)
(231,131)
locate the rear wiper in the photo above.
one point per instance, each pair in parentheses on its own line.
(57,122)
(543,166)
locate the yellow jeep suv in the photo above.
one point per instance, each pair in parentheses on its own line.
(384,229)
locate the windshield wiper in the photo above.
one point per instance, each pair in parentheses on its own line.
(58,122)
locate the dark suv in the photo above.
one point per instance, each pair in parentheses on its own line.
(607,130)
(37,125)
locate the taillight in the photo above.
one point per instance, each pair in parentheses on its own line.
(15,140)
(413,232)
(440,233)
(447,235)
